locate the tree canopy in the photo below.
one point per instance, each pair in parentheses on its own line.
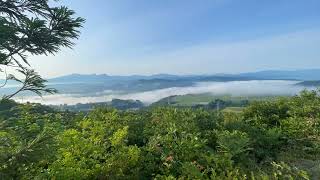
(276,139)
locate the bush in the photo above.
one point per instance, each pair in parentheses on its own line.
(161,143)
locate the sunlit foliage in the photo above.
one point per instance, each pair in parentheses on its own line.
(270,140)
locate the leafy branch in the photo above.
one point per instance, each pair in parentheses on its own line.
(34,27)
(32,82)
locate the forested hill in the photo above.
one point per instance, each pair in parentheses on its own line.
(276,139)
(309,83)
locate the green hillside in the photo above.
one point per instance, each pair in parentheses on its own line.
(276,139)
(195,136)
(205,98)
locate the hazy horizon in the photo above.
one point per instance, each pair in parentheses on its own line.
(185,74)
(189,37)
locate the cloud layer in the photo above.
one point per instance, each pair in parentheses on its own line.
(235,88)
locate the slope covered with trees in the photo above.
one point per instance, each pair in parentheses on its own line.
(269,140)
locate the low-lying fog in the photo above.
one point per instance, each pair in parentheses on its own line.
(234,88)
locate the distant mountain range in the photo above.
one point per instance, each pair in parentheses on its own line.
(301,75)
(87,78)
(94,84)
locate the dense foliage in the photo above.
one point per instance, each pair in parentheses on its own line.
(114,103)
(270,140)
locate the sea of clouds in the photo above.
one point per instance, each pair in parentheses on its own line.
(234,88)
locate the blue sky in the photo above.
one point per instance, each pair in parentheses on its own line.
(189,37)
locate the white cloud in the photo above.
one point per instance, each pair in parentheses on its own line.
(235,88)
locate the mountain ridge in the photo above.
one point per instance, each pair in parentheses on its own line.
(302,75)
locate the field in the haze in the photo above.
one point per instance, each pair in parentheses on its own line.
(205,98)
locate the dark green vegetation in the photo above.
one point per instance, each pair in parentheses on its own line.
(269,140)
(206,101)
(115,103)
(206,98)
(209,101)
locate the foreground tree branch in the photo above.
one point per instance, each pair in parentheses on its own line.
(33,27)
(32,82)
